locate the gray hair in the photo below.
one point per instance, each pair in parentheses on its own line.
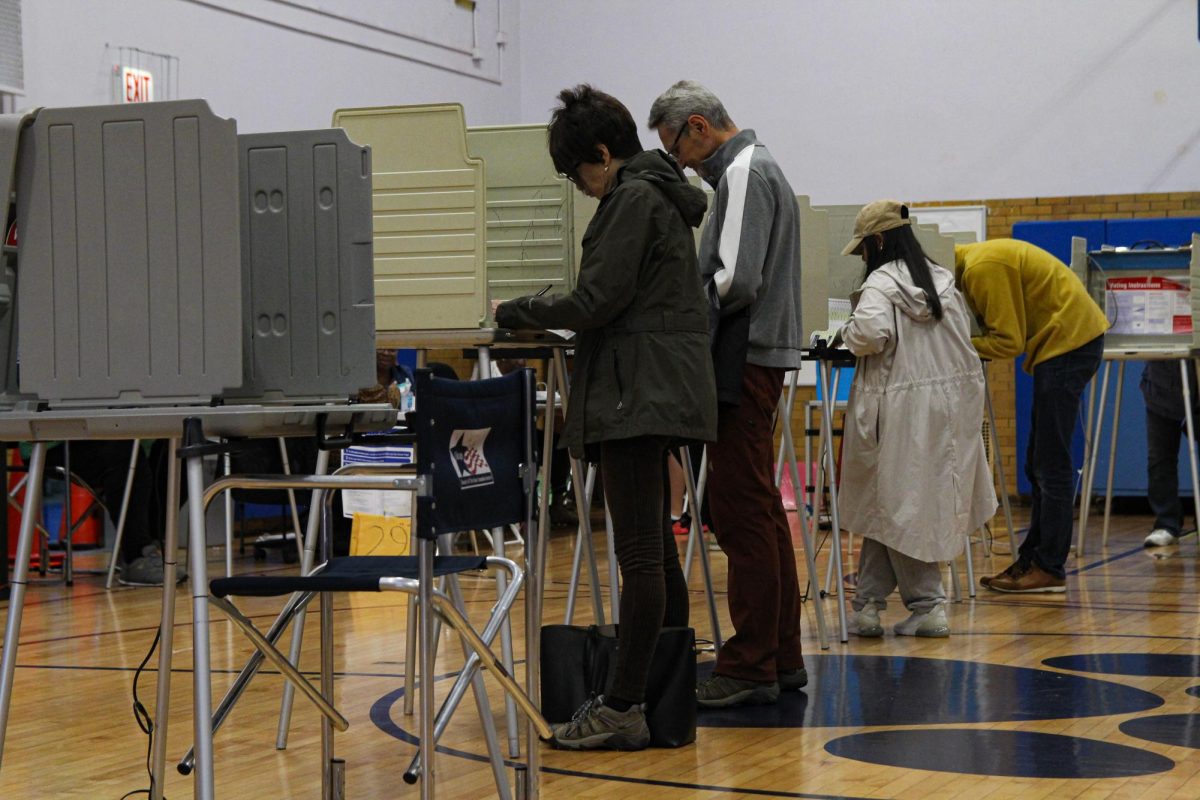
(675,105)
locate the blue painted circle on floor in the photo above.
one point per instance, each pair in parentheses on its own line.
(1178,730)
(1015,754)
(863,690)
(1194,691)
(1159,665)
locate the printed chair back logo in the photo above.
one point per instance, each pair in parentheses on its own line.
(470,464)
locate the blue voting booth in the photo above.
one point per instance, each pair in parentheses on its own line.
(1129,477)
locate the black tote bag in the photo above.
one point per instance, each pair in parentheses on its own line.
(579,661)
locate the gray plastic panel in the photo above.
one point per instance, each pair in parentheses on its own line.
(845,272)
(530,215)
(129,255)
(814,267)
(10,131)
(308,310)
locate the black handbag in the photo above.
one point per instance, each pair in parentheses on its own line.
(578,662)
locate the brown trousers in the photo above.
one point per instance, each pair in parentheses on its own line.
(752,529)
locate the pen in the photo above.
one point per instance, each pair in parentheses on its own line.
(547,288)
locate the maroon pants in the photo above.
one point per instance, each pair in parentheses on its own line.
(752,529)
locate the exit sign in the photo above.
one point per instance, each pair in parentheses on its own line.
(137,85)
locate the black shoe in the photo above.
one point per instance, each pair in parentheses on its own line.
(792,680)
(562,511)
(721,691)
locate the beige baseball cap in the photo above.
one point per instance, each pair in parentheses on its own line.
(877,217)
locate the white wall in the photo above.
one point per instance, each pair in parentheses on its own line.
(247,58)
(924,100)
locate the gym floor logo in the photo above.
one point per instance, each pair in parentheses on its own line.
(466,452)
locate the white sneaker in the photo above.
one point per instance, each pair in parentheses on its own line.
(1160,537)
(866,622)
(931,624)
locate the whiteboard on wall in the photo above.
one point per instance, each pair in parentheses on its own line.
(951,219)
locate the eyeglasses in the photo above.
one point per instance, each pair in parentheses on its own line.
(673,150)
(573,175)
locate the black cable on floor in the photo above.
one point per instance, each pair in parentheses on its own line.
(144,720)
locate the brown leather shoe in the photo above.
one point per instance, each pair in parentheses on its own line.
(1029,579)
(986,580)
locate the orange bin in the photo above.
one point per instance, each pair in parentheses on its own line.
(90,532)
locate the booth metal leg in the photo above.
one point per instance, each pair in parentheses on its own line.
(121,517)
(425,596)
(614,576)
(291,493)
(201,675)
(705,564)
(308,560)
(1112,454)
(1190,423)
(788,447)
(1092,447)
(227,463)
(20,580)
(998,459)
(695,507)
(158,758)
(831,467)
(506,646)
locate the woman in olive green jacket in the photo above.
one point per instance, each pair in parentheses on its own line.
(642,379)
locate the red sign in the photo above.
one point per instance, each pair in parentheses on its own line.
(137,84)
(11,239)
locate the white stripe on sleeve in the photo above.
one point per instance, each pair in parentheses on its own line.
(737,176)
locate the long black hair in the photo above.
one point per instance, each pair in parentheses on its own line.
(586,118)
(900,244)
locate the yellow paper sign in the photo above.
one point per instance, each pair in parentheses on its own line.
(374,535)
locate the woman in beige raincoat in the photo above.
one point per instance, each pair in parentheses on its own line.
(915,480)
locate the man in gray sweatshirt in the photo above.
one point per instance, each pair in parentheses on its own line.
(750,260)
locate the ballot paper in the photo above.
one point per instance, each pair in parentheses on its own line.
(839,315)
(1148,305)
(370,501)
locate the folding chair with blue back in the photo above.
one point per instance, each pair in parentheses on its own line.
(475,469)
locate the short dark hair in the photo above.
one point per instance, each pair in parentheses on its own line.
(585,119)
(900,244)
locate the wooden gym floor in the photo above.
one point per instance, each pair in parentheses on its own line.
(1095,694)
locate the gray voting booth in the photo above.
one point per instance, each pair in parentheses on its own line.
(139,301)
(130,276)
(308,312)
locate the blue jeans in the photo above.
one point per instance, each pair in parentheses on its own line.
(1058,385)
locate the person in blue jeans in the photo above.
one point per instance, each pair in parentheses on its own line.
(1029,301)
(1162,388)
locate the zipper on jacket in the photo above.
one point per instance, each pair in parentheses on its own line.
(620,386)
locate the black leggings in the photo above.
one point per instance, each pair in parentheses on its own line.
(653,592)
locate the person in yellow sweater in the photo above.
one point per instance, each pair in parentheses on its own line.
(1027,301)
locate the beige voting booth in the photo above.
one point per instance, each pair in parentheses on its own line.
(428,212)
(530,237)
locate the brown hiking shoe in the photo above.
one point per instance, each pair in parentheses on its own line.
(986,581)
(1030,579)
